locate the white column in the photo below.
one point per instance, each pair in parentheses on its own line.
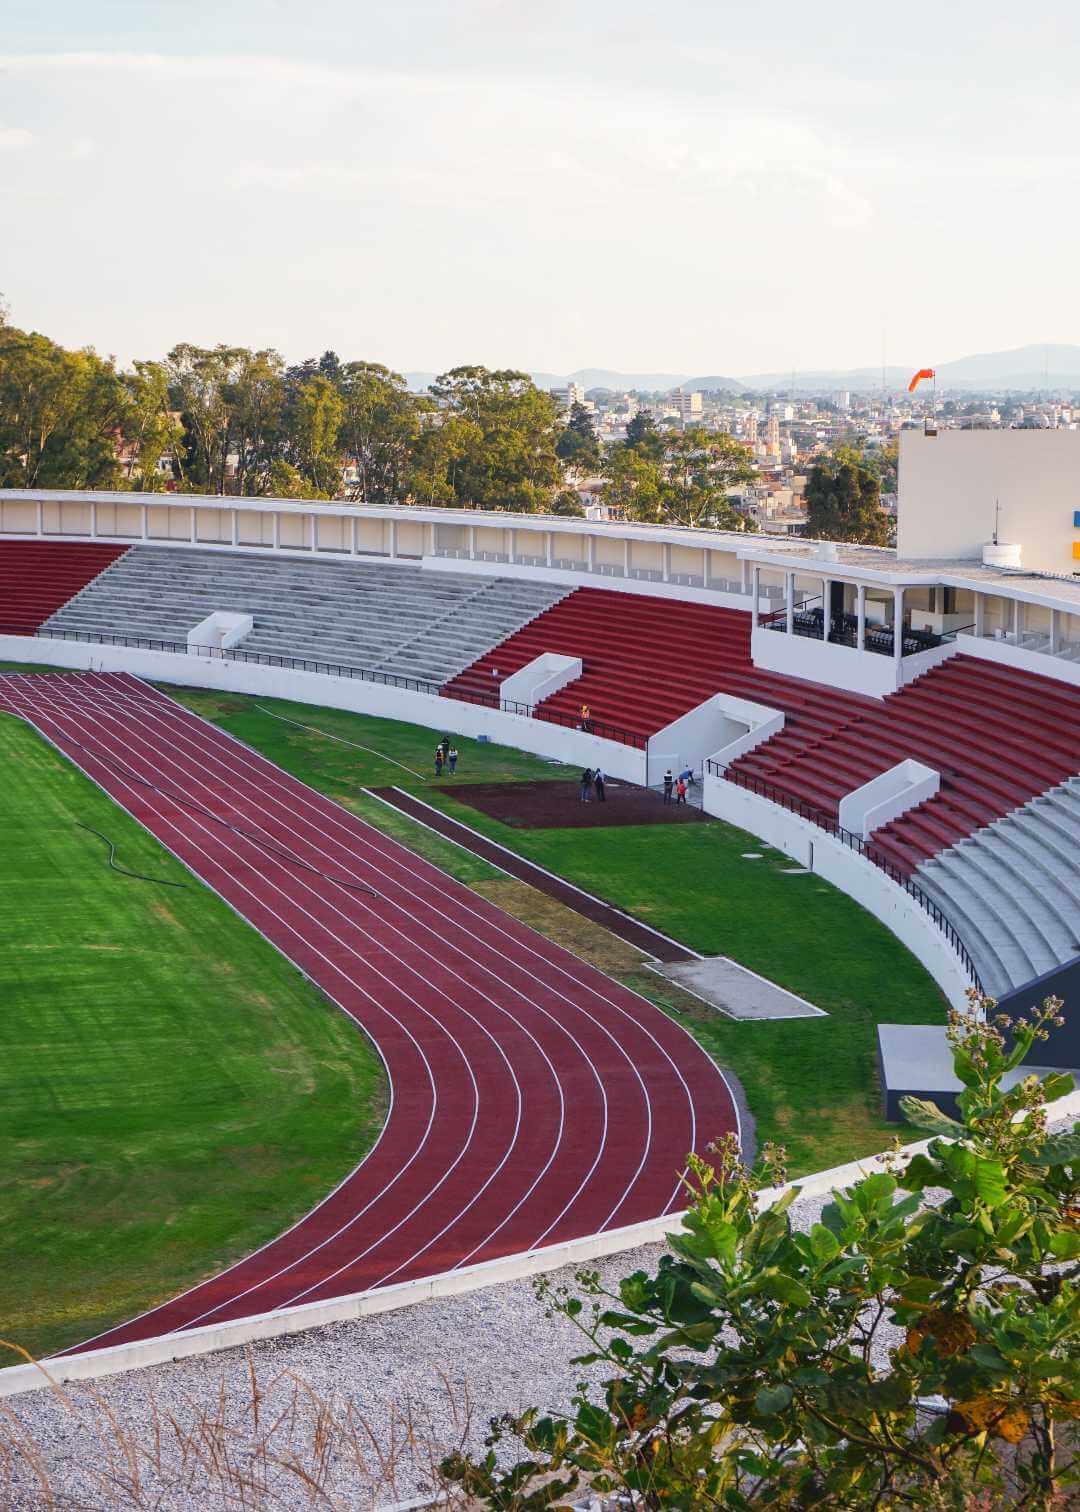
(860,610)
(194,524)
(755,589)
(549,550)
(511,543)
(744,574)
(980,613)
(1055,631)
(354,525)
(1017,618)
(472,543)
(626,557)
(93,522)
(665,554)
(146,522)
(826,606)
(40,518)
(789,594)
(898,631)
(236,527)
(393,538)
(277,530)
(592,553)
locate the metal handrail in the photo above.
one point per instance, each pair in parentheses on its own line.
(338,669)
(854,842)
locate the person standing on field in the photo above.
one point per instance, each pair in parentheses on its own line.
(668,781)
(585,716)
(586,785)
(438,760)
(680,791)
(452,758)
(598,784)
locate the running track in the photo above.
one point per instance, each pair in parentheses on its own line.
(532,1099)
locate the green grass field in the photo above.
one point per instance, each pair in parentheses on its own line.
(172,1091)
(810,1083)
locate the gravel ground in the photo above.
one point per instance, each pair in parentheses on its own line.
(374,1404)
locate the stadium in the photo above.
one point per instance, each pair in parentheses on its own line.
(240,858)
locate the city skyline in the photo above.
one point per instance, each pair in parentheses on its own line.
(738,194)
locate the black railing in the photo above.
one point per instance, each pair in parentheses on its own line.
(555,716)
(257,658)
(340,669)
(870,852)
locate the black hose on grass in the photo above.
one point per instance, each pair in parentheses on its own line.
(139,876)
(259,840)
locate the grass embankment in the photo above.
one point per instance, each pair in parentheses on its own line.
(172,1092)
(810,1083)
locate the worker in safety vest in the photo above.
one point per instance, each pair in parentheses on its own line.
(584,716)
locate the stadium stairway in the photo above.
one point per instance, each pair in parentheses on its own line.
(1012,889)
(401,620)
(38,577)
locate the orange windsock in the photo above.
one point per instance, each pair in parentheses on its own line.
(918,378)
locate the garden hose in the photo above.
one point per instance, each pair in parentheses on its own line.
(124,872)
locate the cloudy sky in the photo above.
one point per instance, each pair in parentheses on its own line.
(702,187)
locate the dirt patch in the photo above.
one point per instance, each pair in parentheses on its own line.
(161,912)
(558,805)
(591,941)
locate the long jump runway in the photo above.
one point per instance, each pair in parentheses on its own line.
(532,1099)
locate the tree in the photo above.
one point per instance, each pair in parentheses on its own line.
(641,432)
(151,430)
(901,1354)
(843,500)
(567,502)
(510,460)
(201,382)
(380,431)
(578,445)
(318,416)
(682,478)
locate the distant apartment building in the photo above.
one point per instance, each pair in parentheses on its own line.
(567,397)
(772,437)
(687,405)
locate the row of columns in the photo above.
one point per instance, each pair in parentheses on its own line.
(826,597)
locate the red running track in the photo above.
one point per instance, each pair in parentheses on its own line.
(532,1099)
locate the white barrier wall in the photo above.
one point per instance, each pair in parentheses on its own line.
(1007,655)
(222,629)
(442,715)
(830,858)
(540,678)
(722,727)
(887,796)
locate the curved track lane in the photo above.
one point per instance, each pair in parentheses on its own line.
(532,1099)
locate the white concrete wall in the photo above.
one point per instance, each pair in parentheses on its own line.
(723,727)
(949,484)
(222,629)
(822,662)
(447,715)
(887,796)
(830,858)
(540,678)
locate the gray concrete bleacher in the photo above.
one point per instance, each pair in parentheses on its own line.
(1012,889)
(388,618)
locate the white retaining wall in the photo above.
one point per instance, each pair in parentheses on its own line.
(830,858)
(1007,655)
(841,666)
(447,715)
(223,629)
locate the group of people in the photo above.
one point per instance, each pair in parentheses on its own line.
(446,754)
(678,784)
(592,781)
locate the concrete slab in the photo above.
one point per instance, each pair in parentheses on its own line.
(737,991)
(915,1060)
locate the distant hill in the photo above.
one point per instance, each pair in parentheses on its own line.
(1027,368)
(714,383)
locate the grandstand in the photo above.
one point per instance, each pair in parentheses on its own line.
(401,620)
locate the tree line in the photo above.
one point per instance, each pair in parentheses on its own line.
(231,420)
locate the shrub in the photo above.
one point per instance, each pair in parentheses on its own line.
(917,1348)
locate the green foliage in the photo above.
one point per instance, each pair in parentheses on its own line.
(843,500)
(578,445)
(503,442)
(680,478)
(899,1354)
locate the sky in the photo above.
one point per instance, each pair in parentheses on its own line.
(700,188)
